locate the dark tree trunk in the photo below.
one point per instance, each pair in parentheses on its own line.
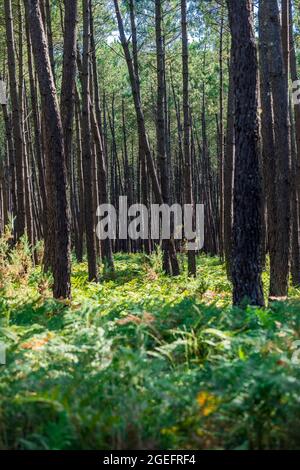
(280,267)
(268,136)
(295,167)
(56,155)
(246,259)
(221,138)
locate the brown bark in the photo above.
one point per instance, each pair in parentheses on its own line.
(56,155)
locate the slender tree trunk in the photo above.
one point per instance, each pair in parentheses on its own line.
(142,160)
(229,173)
(36,129)
(142,128)
(160,124)
(11,158)
(86,147)
(295,167)
(68,77)
(221,136)
(268,136)
(192,268)
(106,245)
(16,119)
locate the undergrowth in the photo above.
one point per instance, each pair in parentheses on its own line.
(143,361)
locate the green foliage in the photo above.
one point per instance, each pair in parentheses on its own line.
(145,361)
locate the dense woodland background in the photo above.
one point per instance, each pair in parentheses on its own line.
(153,118)
(164,101)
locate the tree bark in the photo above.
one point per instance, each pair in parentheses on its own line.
(246,260)
(280,269)
(56,155)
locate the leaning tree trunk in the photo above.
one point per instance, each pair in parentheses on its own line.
(160,123)
(56,155)
(247,235)
(106,245)
(144,199)
(145,145)
(36,130)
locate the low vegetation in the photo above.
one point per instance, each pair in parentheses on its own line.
(144,361)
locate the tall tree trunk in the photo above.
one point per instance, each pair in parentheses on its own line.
(229,172)
(268,136)
(16,119)
(56,155)
(192,268)
(11,158)
(160,124)
(280,269)
(221,136)
(142,160)
(106,245)
(36,129)
(68,78)
(246,259)
(86,147)
(142,128)
(296,166)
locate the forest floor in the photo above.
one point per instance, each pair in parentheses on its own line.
(143,361)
